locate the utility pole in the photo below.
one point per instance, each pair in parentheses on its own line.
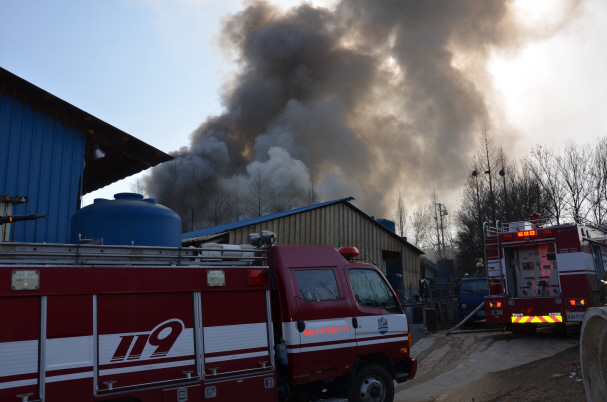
(478,208)
(503,174)
(442,211)
(437,231)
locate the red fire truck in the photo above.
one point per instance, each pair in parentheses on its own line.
(541,273)
(219,323)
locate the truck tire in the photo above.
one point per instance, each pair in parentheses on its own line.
(373,383)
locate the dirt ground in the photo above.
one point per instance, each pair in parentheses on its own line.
(495,367)
(555,378)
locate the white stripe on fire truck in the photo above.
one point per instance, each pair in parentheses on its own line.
(235,357)
(89,374)
(72,376)
(385,340)
(577,261)
(19,383)
(108,343)
(19,357)
(228,338)
(345,344)
(147,366)
(579,272)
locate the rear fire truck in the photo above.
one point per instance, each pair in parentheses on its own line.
(541,273)
(220,323)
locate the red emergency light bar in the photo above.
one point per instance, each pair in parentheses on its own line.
(526,233)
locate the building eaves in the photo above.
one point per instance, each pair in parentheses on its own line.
(124,155)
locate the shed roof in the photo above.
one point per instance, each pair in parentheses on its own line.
(125,155)
(197,234)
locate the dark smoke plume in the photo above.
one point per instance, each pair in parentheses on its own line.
(357,100)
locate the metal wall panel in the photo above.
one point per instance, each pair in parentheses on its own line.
(337,225)
(43,159)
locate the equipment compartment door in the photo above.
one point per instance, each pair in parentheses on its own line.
(535,270)
(235,332)
(20,329)
(144,339)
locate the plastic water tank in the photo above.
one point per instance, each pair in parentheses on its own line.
(388,223)
(129,219)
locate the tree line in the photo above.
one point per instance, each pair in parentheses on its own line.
(563,185)
(202,204)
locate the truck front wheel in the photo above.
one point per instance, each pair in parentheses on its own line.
(372,383)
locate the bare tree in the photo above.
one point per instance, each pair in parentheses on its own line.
(220,206)
(312,197)
(488,154)
(137,186)
(542,163)
(400,215)
(419,226)
(574,169)
(598,173)
(259,195)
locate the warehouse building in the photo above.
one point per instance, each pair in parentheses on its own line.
(335,223)
(51,154)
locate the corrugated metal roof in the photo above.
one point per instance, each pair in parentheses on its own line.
(125,155)
(247,222)
(235,225)
(204,238)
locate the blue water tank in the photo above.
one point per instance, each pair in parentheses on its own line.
(129,219)
(388,223)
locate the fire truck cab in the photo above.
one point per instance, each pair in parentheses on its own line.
(542,273)
(218,323)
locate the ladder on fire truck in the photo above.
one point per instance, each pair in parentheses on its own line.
(86,254)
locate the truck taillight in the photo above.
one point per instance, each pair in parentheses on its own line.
(526,233)
(576,302)
(495,304)
(257,277)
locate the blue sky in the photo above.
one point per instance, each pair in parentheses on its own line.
(152,68)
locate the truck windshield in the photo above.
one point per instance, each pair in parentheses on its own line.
(474,288)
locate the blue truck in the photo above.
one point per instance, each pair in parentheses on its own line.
(471,293)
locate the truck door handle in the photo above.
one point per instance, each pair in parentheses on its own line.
(354,322)
(301,325)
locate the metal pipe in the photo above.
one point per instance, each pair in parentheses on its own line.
(466,319)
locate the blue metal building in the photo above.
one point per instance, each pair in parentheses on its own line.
(52,153)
